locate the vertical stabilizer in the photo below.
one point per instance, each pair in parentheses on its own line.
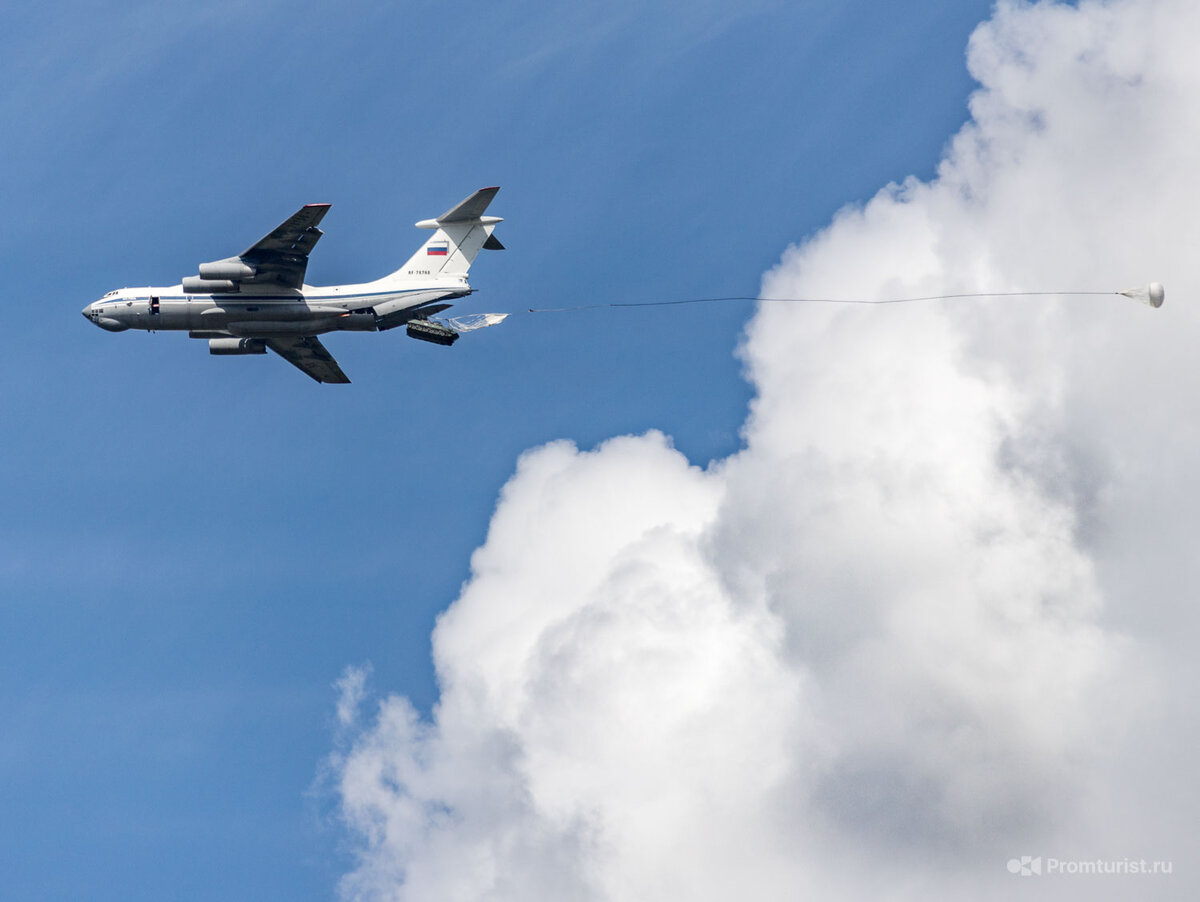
(458,236)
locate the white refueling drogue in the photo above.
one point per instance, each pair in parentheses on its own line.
(1153,294)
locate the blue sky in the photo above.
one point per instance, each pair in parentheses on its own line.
(193,549)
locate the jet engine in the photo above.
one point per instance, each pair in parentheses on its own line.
(226,347)
(197,285)
(232,268)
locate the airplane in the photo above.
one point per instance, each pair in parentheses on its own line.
(258,300)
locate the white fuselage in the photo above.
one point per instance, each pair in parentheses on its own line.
(259,313)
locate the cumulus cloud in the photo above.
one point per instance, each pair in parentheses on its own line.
(928,620)
(352,689)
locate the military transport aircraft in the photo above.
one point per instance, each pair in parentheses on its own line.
(258,299)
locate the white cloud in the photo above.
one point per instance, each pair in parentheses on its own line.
(352,689)
(926,620)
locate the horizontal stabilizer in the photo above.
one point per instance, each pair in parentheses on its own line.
(470,209)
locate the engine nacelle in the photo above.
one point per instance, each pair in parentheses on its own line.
(197,285)
(231,268)
(227,347)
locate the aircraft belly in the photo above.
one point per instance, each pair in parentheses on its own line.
(269,319)
(411,299)
(261,328)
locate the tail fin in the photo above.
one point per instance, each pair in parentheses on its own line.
(459,234)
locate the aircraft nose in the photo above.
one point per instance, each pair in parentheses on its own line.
(107,323)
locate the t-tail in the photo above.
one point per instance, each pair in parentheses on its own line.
(458,236)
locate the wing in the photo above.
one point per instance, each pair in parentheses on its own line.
(308,354)
(282,256)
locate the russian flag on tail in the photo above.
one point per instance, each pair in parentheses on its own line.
(438,250)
